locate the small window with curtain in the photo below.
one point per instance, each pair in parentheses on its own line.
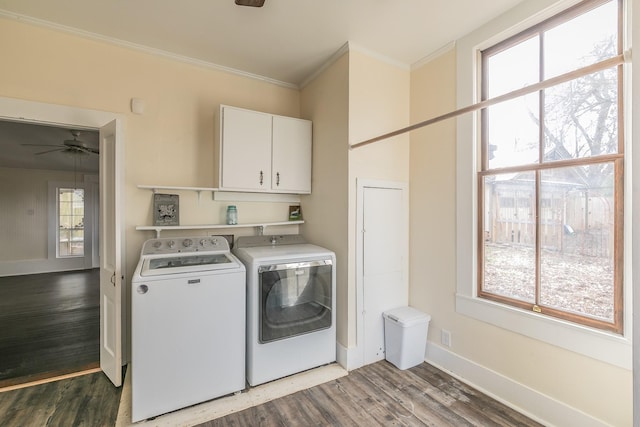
(70,222)
(550,182)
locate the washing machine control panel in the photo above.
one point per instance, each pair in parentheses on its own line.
(172,245)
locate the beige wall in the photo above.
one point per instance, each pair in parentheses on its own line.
(325,211)
(596,388)
(171,143)
(378,104)
(357,97)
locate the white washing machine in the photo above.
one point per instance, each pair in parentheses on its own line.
(291,321)
(188,304)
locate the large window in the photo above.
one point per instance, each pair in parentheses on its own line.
(550,181)
(70,222)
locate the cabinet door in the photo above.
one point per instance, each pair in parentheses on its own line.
(246,150)
(291,162)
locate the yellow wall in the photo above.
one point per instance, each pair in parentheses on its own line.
(601,390)
(171,143)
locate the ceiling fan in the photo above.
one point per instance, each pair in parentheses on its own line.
(252,3)
(69,146)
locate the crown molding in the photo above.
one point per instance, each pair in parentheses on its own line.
(140,48)
(433,55)
(348,47)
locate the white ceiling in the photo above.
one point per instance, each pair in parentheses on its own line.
(286,41)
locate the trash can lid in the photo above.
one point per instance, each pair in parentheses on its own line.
(407,316)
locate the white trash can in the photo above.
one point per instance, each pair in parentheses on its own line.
(405,336)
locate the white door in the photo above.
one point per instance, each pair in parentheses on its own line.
(111,274)
(384,266)
(291,164)
(246,150)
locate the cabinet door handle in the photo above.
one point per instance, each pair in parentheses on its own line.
(261,177)
(278,179)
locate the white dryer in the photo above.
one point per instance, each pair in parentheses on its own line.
(188,324)
(291,320)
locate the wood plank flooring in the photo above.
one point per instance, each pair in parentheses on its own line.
(49,325)
(382,395)
(375,395)
(88,400)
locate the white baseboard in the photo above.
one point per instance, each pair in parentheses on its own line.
(349,358)
(18,268)
(523,399)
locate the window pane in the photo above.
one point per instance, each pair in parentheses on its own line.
(576,232)
(584,40)
(513,132)
(513,68)
(581,117)
(71,222)
(509,235)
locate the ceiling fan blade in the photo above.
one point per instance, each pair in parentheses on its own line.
(41,145)
(49,151)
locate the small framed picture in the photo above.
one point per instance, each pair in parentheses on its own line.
(295,213)
(166,209)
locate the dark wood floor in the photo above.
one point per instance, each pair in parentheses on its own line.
(87,401)
(382,395)
(49,325)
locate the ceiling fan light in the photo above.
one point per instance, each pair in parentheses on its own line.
(252,3)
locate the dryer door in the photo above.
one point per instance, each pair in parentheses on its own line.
(295,299)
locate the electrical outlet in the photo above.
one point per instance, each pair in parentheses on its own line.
(445,338)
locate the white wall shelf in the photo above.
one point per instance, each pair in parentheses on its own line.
(158,188)
(226,195)
(259,226)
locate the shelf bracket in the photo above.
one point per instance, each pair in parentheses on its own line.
(260,230)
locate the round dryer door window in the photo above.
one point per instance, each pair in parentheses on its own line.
(295,299)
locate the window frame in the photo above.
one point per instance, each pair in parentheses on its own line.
(617,159)
(602,345)
(59,227)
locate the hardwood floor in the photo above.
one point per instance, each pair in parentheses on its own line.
(49,325)
(375,395)
(88,400)
(382,395)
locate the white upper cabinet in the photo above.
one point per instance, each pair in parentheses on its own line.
(291,155)
(262,152)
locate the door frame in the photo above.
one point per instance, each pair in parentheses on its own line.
(19,110)
(403,212)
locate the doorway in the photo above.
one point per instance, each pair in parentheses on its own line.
(49,280)
(112,295)
(382,280)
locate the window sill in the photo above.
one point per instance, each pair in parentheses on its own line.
(604,346)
